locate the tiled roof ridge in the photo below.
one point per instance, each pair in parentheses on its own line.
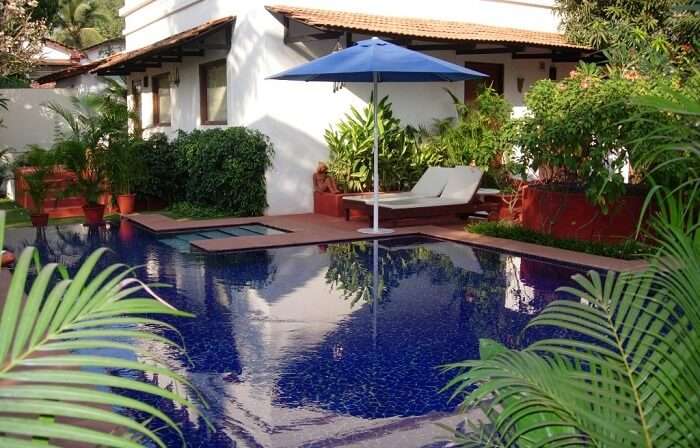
(418,28)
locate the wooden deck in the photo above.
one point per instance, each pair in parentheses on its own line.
(305,229)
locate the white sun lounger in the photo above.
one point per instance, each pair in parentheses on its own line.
(430,185)
(457,197)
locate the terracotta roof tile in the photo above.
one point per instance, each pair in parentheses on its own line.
(167,43)
(417,28)
(74,70)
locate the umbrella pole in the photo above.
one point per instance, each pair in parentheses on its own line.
(376,156)
(375,230)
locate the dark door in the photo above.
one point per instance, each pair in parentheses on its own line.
(495,79)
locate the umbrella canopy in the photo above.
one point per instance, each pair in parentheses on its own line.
(375,61)
(390,63)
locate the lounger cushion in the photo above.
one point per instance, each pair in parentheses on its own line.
(432,182)
(462,183)
(420,203)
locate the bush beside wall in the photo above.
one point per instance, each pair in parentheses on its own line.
(163,180)
(216,168)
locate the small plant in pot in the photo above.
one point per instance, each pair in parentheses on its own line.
(82,149)
(124,168)
(88,166)
(40,165)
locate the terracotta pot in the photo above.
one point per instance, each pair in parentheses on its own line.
(127,203)
(39,219)
(94,214)
(566,214)
(7,258)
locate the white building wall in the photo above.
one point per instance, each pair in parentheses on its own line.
(295,114)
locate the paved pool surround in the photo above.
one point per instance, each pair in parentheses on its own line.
(304,229)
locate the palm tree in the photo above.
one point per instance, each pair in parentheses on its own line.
(76,23)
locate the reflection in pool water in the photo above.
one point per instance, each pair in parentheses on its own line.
(291,348)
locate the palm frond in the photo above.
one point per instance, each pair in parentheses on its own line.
(40,338)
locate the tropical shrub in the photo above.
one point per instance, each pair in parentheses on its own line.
(124,164)
(577,132)
(82,148)
(477,134)
(42,164)
(351,143)
(94,124)
(225,168)
(49,385)
(164,177)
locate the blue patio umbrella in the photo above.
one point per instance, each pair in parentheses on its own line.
(375,61)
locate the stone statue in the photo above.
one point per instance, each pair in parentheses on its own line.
(323,182)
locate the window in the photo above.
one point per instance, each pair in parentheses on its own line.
(161,100)
(212,92)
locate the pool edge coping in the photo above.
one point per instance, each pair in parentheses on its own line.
(310,229)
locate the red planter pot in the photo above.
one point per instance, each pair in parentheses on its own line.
(94,214)
(331,204)
(127,203)
(570,215)
(39,219)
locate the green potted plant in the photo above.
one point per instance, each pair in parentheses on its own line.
(82,149)
(124,168)
(39,165)
(88,165)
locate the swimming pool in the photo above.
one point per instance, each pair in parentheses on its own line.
(288,348)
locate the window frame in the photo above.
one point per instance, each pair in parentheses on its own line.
(155,87)
(203,98)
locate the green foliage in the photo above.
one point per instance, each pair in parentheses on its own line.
(43,164)
(96,124)
(14,82)
(76,23)
(225,168)
(477,134)
(163,179)
(113,25)
(579,131)
(647,35)
(673,160)
(124,164)
(188,210)
(628,250)
(46,321)
(351,143)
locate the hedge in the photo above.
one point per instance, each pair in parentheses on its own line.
(219,168)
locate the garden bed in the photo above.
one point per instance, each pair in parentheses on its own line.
(626,250)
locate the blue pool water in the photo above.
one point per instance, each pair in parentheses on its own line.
(287,347)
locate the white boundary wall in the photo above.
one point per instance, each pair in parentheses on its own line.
(28,121)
